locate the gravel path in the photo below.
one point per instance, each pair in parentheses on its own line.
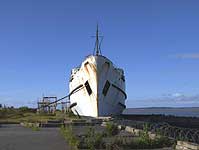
(15,137)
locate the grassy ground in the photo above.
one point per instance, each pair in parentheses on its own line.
(9,115)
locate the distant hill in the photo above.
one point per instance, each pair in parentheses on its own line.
(175,111)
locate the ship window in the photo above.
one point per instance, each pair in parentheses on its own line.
(88,88)
(106,87)
(71,78)
(123,78)
(86,63)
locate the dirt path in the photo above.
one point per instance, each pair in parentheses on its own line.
(15,137)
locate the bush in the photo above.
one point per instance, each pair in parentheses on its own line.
(24,109)
(111,129)
(93,140)
(144,137)
(141,143)
(145,142)
(70,137)
(33,126)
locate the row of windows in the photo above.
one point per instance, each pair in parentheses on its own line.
(105,89)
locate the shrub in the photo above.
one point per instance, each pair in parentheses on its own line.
(35,128)
(144,136)
(111,129)
(93,140)
(145,142)
(24,109)
(70,137)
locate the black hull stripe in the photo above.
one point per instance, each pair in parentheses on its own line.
(112,85)
(122,105)
(120,90)
(74,90)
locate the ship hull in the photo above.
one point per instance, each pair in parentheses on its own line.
(103,90)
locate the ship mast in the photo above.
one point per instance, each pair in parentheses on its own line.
(97,43)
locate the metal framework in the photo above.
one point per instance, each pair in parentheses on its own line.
(45,106)
(49,104)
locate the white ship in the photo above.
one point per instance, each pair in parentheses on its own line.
(97,87)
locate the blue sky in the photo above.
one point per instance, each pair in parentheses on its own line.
(155,42)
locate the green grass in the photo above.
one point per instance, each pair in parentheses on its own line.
(32,126)
(18,115)
(111,129)
(70,137)
(93,139)
(35,128)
